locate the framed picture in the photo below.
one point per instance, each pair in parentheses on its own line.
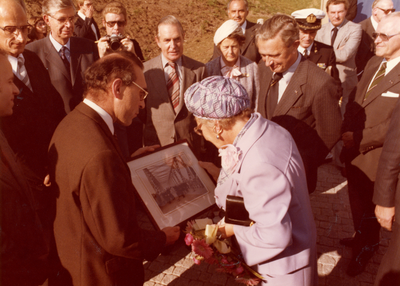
(171,184)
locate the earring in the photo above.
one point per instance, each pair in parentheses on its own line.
(219,132)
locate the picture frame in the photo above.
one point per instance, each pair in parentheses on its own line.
(171,184)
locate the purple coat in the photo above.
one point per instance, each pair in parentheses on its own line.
(271,179)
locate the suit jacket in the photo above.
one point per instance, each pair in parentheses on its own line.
(24,251)
(35,117)
(249,78)
(348,37)
(369,120)
(249,48)
(387,187)
(68,83)
(366,50)
(309,110)
(83,28)
(270,177)
(163,126)
(324,56)
(97,236)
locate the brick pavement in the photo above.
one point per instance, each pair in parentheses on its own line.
(333,219)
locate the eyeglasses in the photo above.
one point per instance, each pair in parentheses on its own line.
(64,20)
(10,30)
(198,130)
(111,24)
(383,36)
(387,11)
(142,96)
(41,23)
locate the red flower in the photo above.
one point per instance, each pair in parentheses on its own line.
(200,247)
(239,269)
(188,239)
(196,261)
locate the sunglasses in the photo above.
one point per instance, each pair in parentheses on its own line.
(387,11)
(383,36)
(111,24)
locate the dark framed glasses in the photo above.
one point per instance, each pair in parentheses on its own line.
(111,24)
(386,11)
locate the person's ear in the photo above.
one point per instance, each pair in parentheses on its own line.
(116,88)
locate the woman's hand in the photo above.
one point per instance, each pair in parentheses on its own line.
(225,229)
(211,169)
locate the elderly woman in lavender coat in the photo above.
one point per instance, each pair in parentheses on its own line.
(261,163)
(228,39)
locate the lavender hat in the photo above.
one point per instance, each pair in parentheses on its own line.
(216,97)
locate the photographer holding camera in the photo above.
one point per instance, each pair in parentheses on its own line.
(115,20)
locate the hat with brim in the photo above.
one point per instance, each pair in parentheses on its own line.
(227,28)
(309,19)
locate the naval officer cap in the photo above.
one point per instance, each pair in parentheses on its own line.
(309,19)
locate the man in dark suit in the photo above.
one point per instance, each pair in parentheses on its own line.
(366,50)
(309,21)
(38,107)
(363,133)
(238,11)
(297,94)
(98,239)
(85,25)
(168,76)
(24,251)
(65,57)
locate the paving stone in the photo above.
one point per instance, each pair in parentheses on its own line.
(158,278)
(167,279)
(219,278)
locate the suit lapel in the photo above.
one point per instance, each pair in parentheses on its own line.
(76,57)
(188,78)
(265,81)
(315,56)
(23,89)
(343,31)
(54,59)
(249,36)
(293,90)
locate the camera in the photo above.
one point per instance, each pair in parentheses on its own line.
(115,41)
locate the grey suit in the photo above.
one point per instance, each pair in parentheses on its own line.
(346,44)
(249,78)
(309,110)
(163,126)
(68,83)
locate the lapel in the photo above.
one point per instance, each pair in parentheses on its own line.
(249,37)
(390,79)
(24,91)
(342,33)
(265,82)
(92,114)
(54,59)
(325,34)
(188,77)
(293,90)
(315,53)
(76,57)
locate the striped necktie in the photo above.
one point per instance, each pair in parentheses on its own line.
(23,74)
(64,58)
(378,77)
(173,86)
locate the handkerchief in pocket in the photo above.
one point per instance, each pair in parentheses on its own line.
(390,94)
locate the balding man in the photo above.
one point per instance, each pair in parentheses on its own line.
(98,239)
(38,107)
(364,130)
(366,50)
(238,10)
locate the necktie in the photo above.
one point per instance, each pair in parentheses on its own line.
(334,34)
(23,74)
(305,53)
(173,86)
(378,77)
(273,94)
(64,58)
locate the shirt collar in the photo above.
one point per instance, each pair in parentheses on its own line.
(165,61)
(391,64)
(287,75)
(237,64)
(301,49)
(14,62)
(57,45)
(80,14)
(374,23)
(338,27)
(244,27)
(103,114)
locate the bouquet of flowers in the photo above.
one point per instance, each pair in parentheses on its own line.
(201,234)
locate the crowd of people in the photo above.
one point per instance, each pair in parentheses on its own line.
(272,104)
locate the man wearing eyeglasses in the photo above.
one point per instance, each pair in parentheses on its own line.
(38,107)
(85,25)
(364,129)
(65,57)
(115,21)
(366,50)
(98,239)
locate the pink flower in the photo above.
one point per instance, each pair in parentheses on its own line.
(224,260)
(189,226)
(188,239)
(239,269)
(248,281)
(200,247)
(196,261)
(229,157)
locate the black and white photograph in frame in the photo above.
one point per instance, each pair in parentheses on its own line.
(171,184)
